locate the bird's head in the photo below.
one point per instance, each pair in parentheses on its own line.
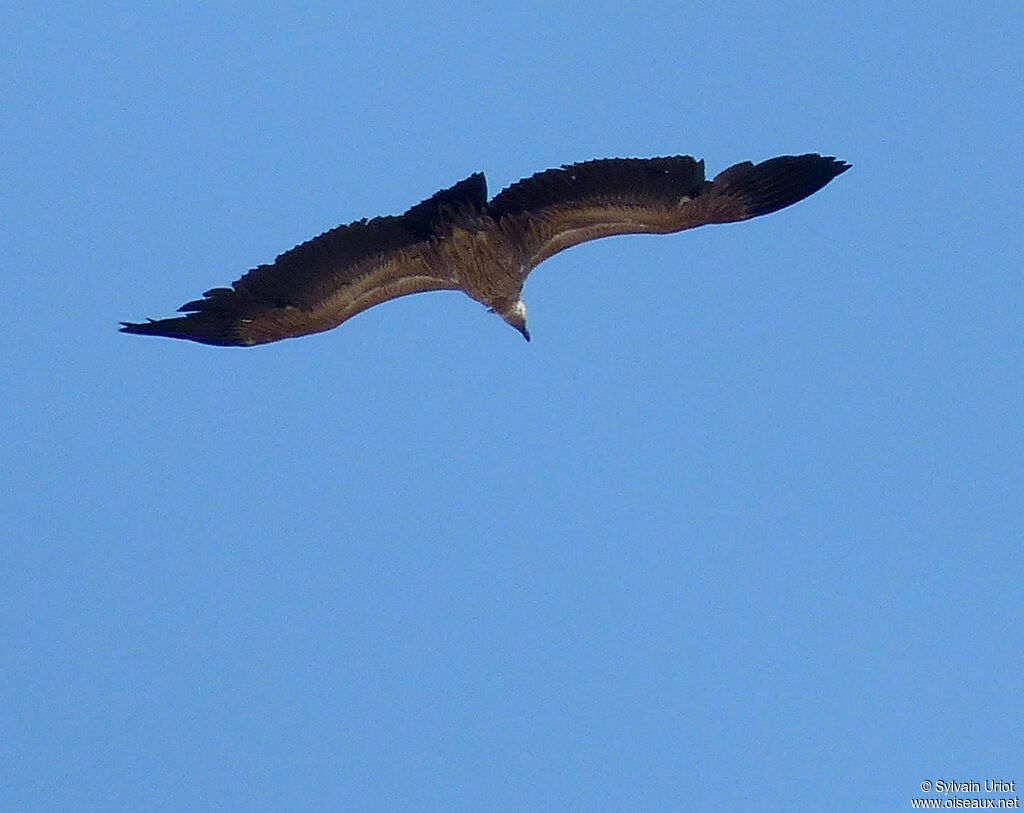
(515,315)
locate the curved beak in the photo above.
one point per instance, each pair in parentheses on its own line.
(525,332)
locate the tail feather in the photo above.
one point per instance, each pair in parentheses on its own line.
(776,183)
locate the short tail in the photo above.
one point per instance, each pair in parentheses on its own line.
(776,183)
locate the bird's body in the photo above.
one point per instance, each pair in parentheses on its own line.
(458,240)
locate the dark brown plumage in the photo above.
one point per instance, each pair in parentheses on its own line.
(457,240)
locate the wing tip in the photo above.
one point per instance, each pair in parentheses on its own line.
(137,328)
(837,165)
(191,328)
(778,182)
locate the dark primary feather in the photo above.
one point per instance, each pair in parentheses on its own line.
(776,183)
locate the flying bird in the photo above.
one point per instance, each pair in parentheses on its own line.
(458,240)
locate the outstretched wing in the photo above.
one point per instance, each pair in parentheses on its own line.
(556,209)
(320,283)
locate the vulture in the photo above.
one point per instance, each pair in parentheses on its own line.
(458,240)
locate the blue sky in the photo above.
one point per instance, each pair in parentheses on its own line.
(739,530)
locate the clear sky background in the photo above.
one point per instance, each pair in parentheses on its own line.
(741,529)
